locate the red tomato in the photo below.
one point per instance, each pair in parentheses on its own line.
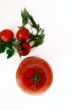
(24,48)
(34,75)
(0,34)
(22,34)
(6,35)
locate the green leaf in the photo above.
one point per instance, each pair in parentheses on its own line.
(33,23)
(38,38)
(2,47)
(25,17)
(10,52)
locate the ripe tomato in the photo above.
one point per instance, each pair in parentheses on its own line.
(22,34)
(34,75)
(6,35)
(24,48)
(0,34)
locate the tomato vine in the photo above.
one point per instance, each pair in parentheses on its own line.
(23,37)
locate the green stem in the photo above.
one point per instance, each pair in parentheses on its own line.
(16,47)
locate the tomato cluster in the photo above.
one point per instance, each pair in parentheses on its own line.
(22,35)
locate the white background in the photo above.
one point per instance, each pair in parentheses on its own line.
(56,16)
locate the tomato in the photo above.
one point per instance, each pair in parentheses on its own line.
(22,34)
(0,34)
(24,49)
(6,35)
(34,75)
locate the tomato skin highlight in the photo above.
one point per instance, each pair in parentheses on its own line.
(24,49)
(25,76)
(22,34)
(6,35)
